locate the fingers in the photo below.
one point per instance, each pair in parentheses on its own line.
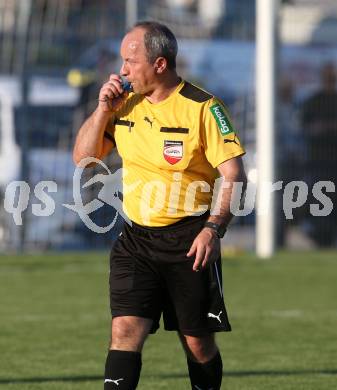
(192,250)
(115,77)
(205,248)
(117,81)
(112,94)
(207,258)
(204,257)
(199,257)
(111,90)
(199,251)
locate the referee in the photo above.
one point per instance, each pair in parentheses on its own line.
(175,139)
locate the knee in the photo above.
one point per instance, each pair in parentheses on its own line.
(129,333)
(200,349)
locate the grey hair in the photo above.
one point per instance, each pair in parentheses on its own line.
(159,41)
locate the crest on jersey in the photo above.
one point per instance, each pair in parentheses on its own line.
(173,151)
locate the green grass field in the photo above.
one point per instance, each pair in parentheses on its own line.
(54,324)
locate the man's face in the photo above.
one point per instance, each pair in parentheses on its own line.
(135,66)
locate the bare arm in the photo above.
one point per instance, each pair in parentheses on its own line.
(232,172)
(206,246)
(90,140)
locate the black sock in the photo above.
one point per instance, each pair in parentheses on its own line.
(206,376)
(122,370)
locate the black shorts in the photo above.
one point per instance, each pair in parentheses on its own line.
(150,275)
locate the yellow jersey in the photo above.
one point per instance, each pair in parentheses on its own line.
(170,151)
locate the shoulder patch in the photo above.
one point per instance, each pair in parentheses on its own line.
(222,121)
(194,93)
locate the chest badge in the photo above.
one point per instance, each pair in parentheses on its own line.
(173,151)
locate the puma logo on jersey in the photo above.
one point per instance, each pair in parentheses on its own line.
(146,119)
(211,315)
(226,141)
(114,381)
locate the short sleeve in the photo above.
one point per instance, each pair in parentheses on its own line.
(110,130)
(126,110)
(218,134)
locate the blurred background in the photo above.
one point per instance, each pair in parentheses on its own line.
(56,54)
